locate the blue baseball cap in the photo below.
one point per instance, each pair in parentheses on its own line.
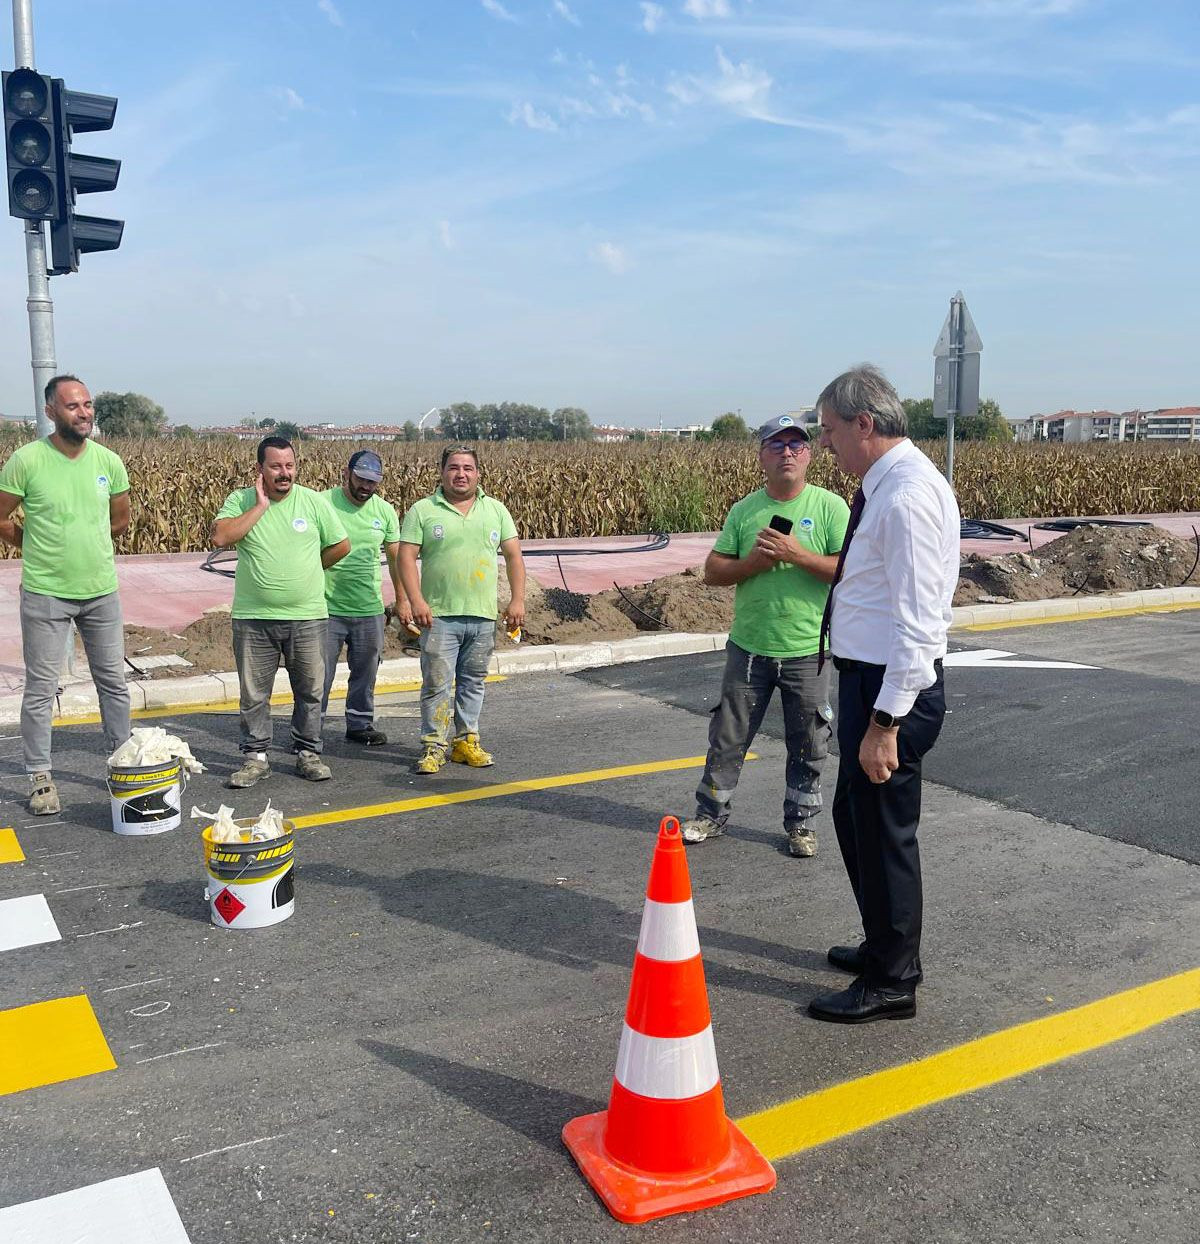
(366,465)
(780,424)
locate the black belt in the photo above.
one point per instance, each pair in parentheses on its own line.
(846,663)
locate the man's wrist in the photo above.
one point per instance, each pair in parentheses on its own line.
(883,720)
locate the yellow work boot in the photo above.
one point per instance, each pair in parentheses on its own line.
(466,751)
(432,758)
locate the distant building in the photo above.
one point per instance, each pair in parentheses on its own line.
(1177,423)
(316,432)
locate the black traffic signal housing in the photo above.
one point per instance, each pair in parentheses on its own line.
(71,234)
(32,138)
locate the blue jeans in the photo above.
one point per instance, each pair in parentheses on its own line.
(454,661)
(363,639)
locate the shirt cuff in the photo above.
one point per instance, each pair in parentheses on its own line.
(895,700)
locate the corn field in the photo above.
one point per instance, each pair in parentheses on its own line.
(556,490)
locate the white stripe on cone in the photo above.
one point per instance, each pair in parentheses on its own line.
(669,931)
(667,1067)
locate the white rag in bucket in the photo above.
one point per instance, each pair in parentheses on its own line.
(152,745)
(226,829)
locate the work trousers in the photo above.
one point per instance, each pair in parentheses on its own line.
(877,823)
(45,627)
(455,653)
(363,640)
(258,647)
(746,691)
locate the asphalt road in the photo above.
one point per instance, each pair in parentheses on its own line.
(397,1060)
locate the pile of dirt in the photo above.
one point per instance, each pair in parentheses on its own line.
(1087,560)
(679,602)
(555,616)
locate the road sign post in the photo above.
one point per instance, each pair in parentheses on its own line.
(956,372)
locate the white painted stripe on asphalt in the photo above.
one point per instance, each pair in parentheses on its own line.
(669,931)
(998,659)
(133,1209)
(26,922)
(667,1067)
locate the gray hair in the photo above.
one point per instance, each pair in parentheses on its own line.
(865,390)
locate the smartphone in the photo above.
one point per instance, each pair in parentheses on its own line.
(780,524)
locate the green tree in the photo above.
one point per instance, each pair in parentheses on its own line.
(129,414)
(248,421)
(288,430)
(462,422)
(729,427)
(268,422)
(183,432)
(411,431)
(922,426)
(570,423)
(988,425)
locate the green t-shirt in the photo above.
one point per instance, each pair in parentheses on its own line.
(458,553)
(279,574)
(354,586)
(778,613)
(67,548)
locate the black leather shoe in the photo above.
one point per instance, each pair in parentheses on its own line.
(370,737)
(864,1002)
(852,959)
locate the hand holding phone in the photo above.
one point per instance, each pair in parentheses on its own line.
(780,524)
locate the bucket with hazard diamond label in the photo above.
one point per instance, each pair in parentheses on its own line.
(249,883)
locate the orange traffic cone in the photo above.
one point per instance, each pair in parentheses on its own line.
(664,1145)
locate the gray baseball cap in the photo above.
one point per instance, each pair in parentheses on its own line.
(366,465)
(782,423)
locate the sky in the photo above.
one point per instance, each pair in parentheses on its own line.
(355,210)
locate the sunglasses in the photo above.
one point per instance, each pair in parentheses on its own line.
(785,447)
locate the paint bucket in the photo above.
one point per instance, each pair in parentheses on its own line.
(146,798)
(249,883)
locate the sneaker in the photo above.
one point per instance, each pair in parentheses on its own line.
(466,751)
(252,770)
(432,758)
(368,737)
(312,768)
(43,795)
(802,842)
(699,828)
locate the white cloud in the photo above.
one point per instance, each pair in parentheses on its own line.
(610,256)
(564,11)
(497,10)
(701,10)
(289,98)
(331,11)
(527,114)
(445,236)
(652,15)
(742,87)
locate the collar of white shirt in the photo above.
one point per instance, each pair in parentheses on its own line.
(881,466)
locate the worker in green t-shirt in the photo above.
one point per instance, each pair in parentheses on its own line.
(75,496)
(458,531)
(354,592)
(778,549)
(287,536)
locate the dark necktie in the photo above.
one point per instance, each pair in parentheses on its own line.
(856,513)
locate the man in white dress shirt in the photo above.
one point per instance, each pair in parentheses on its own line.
(888,614)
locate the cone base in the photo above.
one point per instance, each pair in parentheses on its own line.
(638,1196)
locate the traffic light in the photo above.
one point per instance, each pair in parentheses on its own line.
(31,144)
(71,234)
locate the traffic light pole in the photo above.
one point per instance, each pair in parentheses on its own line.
(39,303)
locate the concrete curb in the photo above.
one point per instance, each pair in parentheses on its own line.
(159,696)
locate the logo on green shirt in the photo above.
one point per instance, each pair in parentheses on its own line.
(299,524)
(101,481)
(438,531)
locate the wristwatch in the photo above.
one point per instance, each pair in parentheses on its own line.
(885,721)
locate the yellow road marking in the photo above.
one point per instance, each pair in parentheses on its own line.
(10,848)
(231,706)
(1093,616)
(844,1108)
(49,1042)
(421,802)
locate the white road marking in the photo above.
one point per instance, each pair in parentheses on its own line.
(26,922)
(996,658)
(134,985)
(262,1140)
(191,1049)
(149,1009)
(102,885)
(133,1209)
(137,924)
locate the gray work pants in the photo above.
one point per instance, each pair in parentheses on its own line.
(45,625)
(745,693)
(258,647)
(363,639)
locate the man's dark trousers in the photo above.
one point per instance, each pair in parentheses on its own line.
(877,824)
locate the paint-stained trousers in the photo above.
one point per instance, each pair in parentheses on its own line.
(454,660)
(45,625)
(363,639)
(746,692)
